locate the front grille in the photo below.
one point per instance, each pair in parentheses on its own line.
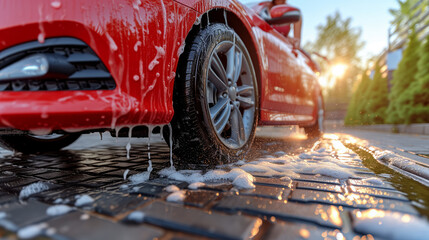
(90,74)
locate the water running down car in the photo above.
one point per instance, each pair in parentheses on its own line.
(213,70)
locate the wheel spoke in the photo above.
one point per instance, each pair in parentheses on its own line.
(245,89)
(237,67)
(223,119)
(230,55)
(218,82)
(218,68)
(245,102)
(237,126)
(218,108)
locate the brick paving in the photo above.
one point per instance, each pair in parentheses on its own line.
(306,207)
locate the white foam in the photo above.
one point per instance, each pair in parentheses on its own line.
(244,181)
(33,189)
(172,188)
(139,178)
(177,196)
(126,173)
(56,4)
(58,210)
(160,51)
(196,185)
(136,216)
(83,200)
(32,230)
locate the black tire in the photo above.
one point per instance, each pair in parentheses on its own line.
(198,137)
(33,144)
(317,129)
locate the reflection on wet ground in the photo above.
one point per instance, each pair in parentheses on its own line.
(304,188)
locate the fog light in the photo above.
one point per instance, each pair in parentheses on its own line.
(29,67)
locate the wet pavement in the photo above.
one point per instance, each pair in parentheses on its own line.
(91,199)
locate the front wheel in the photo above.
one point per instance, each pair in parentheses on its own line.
(33,143)
(215,99)
(317,129)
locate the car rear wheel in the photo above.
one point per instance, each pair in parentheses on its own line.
(215,99)
(33,143)
(317,129)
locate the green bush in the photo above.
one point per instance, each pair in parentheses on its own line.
(356,109)
(419,89)
(376,97)
(401,95)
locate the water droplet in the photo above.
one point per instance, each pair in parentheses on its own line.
(136,77)
(56,4)
(41,37)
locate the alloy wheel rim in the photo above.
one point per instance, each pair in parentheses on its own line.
(230,94)
(52,136)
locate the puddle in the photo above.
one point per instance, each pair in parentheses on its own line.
(423,155)
(416,192)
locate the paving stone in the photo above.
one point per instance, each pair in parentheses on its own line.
(50,175)
(74,226)
(85,169)
(7,199)
(267,192)
(101,164)
(115,204)
(65,166)
(326,216)
(4,179)
(101,170)
(379,193)
(75,178)
(99,182)
(273,182)
(221,187)
(317,178)
(123,165)
(166,182)
(199,222)
(147,190)
(117,173)
(363,183)
(62,193)
(16,185)
(354,200)
(199,198)
(183,236)
(319,186)
(33,171)
(19,215)
(291,231)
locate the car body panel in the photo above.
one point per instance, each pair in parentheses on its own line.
(140,43)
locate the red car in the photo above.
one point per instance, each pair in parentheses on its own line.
(214,70)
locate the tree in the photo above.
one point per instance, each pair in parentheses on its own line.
(356,109)
(376,97)
(419,89)
(340,43)
(404,13)
(400,96)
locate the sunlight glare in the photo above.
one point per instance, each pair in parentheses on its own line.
(338,70)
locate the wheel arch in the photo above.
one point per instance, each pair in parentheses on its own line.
(222,15)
